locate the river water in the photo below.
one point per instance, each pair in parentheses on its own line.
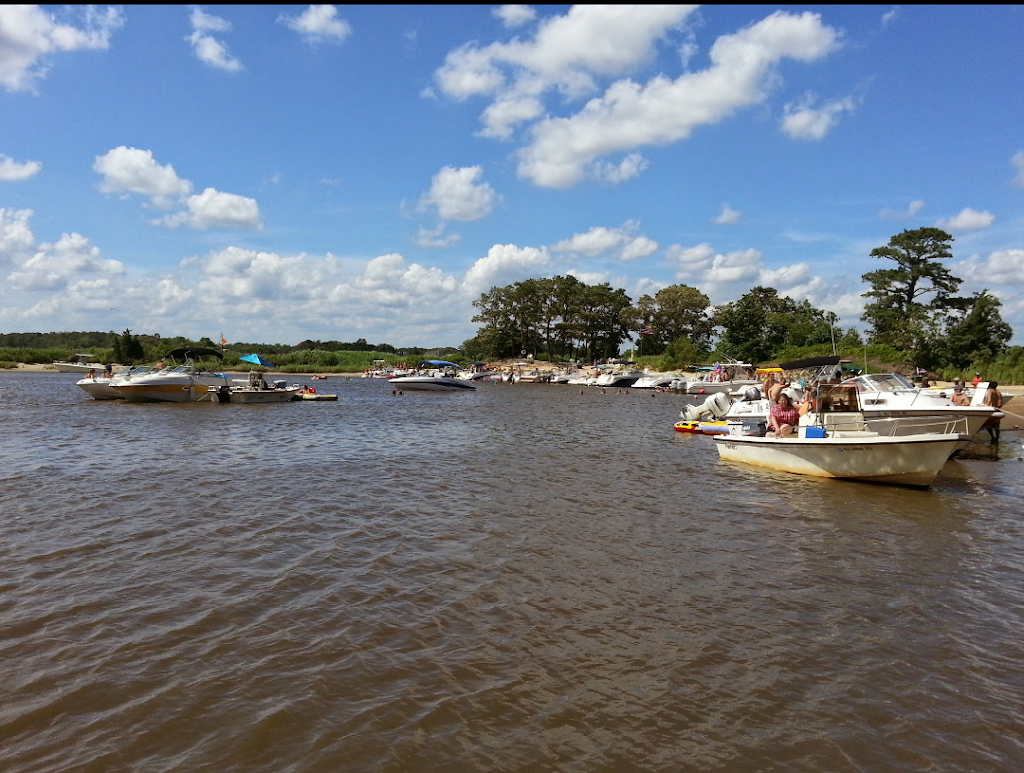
(521,578)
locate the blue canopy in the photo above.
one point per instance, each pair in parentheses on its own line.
(438,362)
(255,359)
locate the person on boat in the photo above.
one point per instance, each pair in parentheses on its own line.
(993,398)
(783,417)
(766,388)
(91,373)
(960,396)
(776,390)
(977,379)
(108,371)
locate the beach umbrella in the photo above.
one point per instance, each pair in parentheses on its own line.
(255,359)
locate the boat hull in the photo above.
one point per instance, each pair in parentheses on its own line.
(99,389)
(910,460)
(432,384)
(248,396)
(173,389)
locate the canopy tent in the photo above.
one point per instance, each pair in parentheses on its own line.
(256,359)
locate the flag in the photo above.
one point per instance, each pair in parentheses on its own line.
(647,330)
(223,340)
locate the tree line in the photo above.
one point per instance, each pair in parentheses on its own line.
(913,315)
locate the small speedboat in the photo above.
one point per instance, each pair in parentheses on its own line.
(703,427)
(439,376)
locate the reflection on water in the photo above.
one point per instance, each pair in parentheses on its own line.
(518,578)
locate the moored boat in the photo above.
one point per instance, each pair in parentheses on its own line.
(79,363)
(189,382)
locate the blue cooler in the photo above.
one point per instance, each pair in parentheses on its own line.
(814,432)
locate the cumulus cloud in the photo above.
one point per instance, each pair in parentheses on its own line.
(571,54)
(11,170)
(504,263)
(619,243)
(724,277)
(435,238)
(1001,268)
(131,170)
(514,15)
(1017,162)
(15,234)
(628,168)
(31,38)
(897,214)
(460,194)
(967,220)
(727,215)
(318,24)
(804,121)
(208,49)
(213,209)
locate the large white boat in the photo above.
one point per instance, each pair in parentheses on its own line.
(79,363)
(433,376)
(100,388)
(855,454)
(189,382)
(879,398)
(836,441)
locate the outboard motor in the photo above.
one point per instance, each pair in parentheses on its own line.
(716,405)
(751,394)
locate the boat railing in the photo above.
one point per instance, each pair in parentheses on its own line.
(919,425)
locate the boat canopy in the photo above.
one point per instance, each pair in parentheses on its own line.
(810,362)
(442,363)
(194,353)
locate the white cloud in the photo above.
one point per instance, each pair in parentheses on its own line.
(504,263)
(131,170)
(890,16)
(514,15)
(1017,162)
(15,235)
(619,243)
(318,23)
(11,170)
(631,166)
(459,194)
(896,214)
(31,37)
(435,238)
(213,209)
(1000,268)
(727,215)
(967,220)
(570,54)
(663,111)
(55,266)
(804,121)
(208,49)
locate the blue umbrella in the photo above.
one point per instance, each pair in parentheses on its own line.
(255,359)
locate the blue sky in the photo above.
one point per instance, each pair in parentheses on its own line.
(279,173)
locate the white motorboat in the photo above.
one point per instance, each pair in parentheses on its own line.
(103,388)
(185,383)
(654,380)
(855,454)
(256,390)
(439,376)
(619,378)
(728,377)
(79,363)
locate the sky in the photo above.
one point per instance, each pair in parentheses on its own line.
(274,174)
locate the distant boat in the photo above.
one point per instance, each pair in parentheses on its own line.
(440,376)
(79,363)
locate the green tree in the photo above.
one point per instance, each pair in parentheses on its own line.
(978,335)
(912,302)
(127,348)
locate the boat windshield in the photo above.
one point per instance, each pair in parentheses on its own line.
(882,382)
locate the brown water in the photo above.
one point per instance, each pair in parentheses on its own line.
(522,578)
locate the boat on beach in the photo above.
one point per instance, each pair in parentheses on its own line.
(79,363)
